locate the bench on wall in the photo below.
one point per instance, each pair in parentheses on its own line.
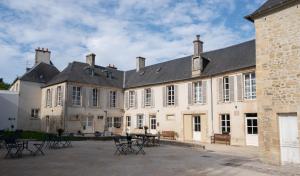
(168,135)
(221,138)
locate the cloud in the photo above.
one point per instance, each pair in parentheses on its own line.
(117,31)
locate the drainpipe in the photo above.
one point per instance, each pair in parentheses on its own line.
(212,105)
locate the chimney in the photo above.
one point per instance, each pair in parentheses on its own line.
(112,66)
(198,46)
(90,59)
(42,55)
(140,63)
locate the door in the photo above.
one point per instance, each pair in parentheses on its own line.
(87,125)
(152,119)
(196,128)
(251,130)
(289,139)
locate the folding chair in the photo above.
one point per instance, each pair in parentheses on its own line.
(39,147)
(121,148)
(14,149)
(140,143)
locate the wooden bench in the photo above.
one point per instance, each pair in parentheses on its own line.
(221,137)
(168,134)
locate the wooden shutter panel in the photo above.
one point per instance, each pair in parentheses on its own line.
(69,98)
(90,96)
(220,92)
(190,97)
(126,100)
(176,94)
(62,95)
(120,100)
(231,88)
(152,98)
(99,96)
(240,87)
(135,99)
(143,98)
(204,91)
(83,97)
(108,99)
(51,97)
(164,96)
(55,97)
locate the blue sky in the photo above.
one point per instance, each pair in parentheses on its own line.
(117,30)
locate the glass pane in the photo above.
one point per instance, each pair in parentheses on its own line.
(223,123)
(254,122)
(255,130)
(228,123)
(249,122)
(249,129)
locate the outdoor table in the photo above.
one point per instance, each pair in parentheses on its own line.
(148,137)
(25,144)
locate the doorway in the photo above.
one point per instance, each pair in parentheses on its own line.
(197,128)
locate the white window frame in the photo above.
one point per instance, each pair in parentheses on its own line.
(76,95)
(59,96)
(112,98)
(48,98)
(226,89)
(132,99)
(148,95)
(198,95)
(171,95)
(95,100)
(250,86)
(109,121)
(128,121)
(153,126)
(140,121)
(117,122)
(225,118)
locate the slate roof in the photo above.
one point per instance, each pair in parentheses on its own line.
(269,6)
(80,73)
(219,61)
(41,73)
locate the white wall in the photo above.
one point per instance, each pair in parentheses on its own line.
(8,109)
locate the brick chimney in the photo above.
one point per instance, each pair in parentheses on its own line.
(90,59)
(198,46)
(42,55)
(140,63)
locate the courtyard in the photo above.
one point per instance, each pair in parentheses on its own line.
(97,158)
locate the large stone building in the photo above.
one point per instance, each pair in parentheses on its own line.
(194,96)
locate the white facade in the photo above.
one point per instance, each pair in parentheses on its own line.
(9,110)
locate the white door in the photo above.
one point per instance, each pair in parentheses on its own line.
(152,119)
(289,139)
(87,125)
(251,131)
(196,128)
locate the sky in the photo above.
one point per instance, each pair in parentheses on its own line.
(117,31)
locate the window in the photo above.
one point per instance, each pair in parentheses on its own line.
(249,86)
(196,63)
(225,123)
(197,123)
(34,113)
(113,99)
(131,99)
(128,121)
(225,89)
(140,121)
(95,97)
(109,122)
(117,122)
(153,122)
(198,98)
(59,96)
(48,98)
(76,96)
(147,97)
(170,95)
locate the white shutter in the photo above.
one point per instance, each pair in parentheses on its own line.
(69,96)
(240,87)
(120,100)
(90,96)
(51,95)
(231,88)
(190,97)
(83,97)
(62,95)
(143,98)
(204,91)
(152,98)
(176,94)
(55,97)
(164,96)
(135,99)
(108,99)
(126,100)
(220,88)
(99,96)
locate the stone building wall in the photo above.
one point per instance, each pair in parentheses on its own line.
(278,75)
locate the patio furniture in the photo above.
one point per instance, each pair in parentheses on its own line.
(139,143)
(121,147)
(38,147)
(156,141)
(14,148)
(168,135)
(221,138)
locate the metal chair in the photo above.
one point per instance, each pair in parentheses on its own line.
(121,148)
(140,143)
(14,149)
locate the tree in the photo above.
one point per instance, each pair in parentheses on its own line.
(3,85)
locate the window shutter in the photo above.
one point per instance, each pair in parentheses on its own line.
(83,97)
(135,99)
(119,100)
(231,88)
(204,91)
(220,92)
(152,98)
(56,97)
(51,95)
(176,94)
(190,98)
(70,91)
(164,96)
(108,99)
(126,100)
(46,98)
(240,87)
(62,95)
(90,96)
(99,96)
(143,98)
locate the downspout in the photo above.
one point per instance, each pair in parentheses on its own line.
(212,105)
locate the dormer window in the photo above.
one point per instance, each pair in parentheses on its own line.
(196,63)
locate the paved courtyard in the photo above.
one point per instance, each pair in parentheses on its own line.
(97,158)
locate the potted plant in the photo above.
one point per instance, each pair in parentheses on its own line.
(145,128)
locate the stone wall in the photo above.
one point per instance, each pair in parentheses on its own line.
(278,75)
